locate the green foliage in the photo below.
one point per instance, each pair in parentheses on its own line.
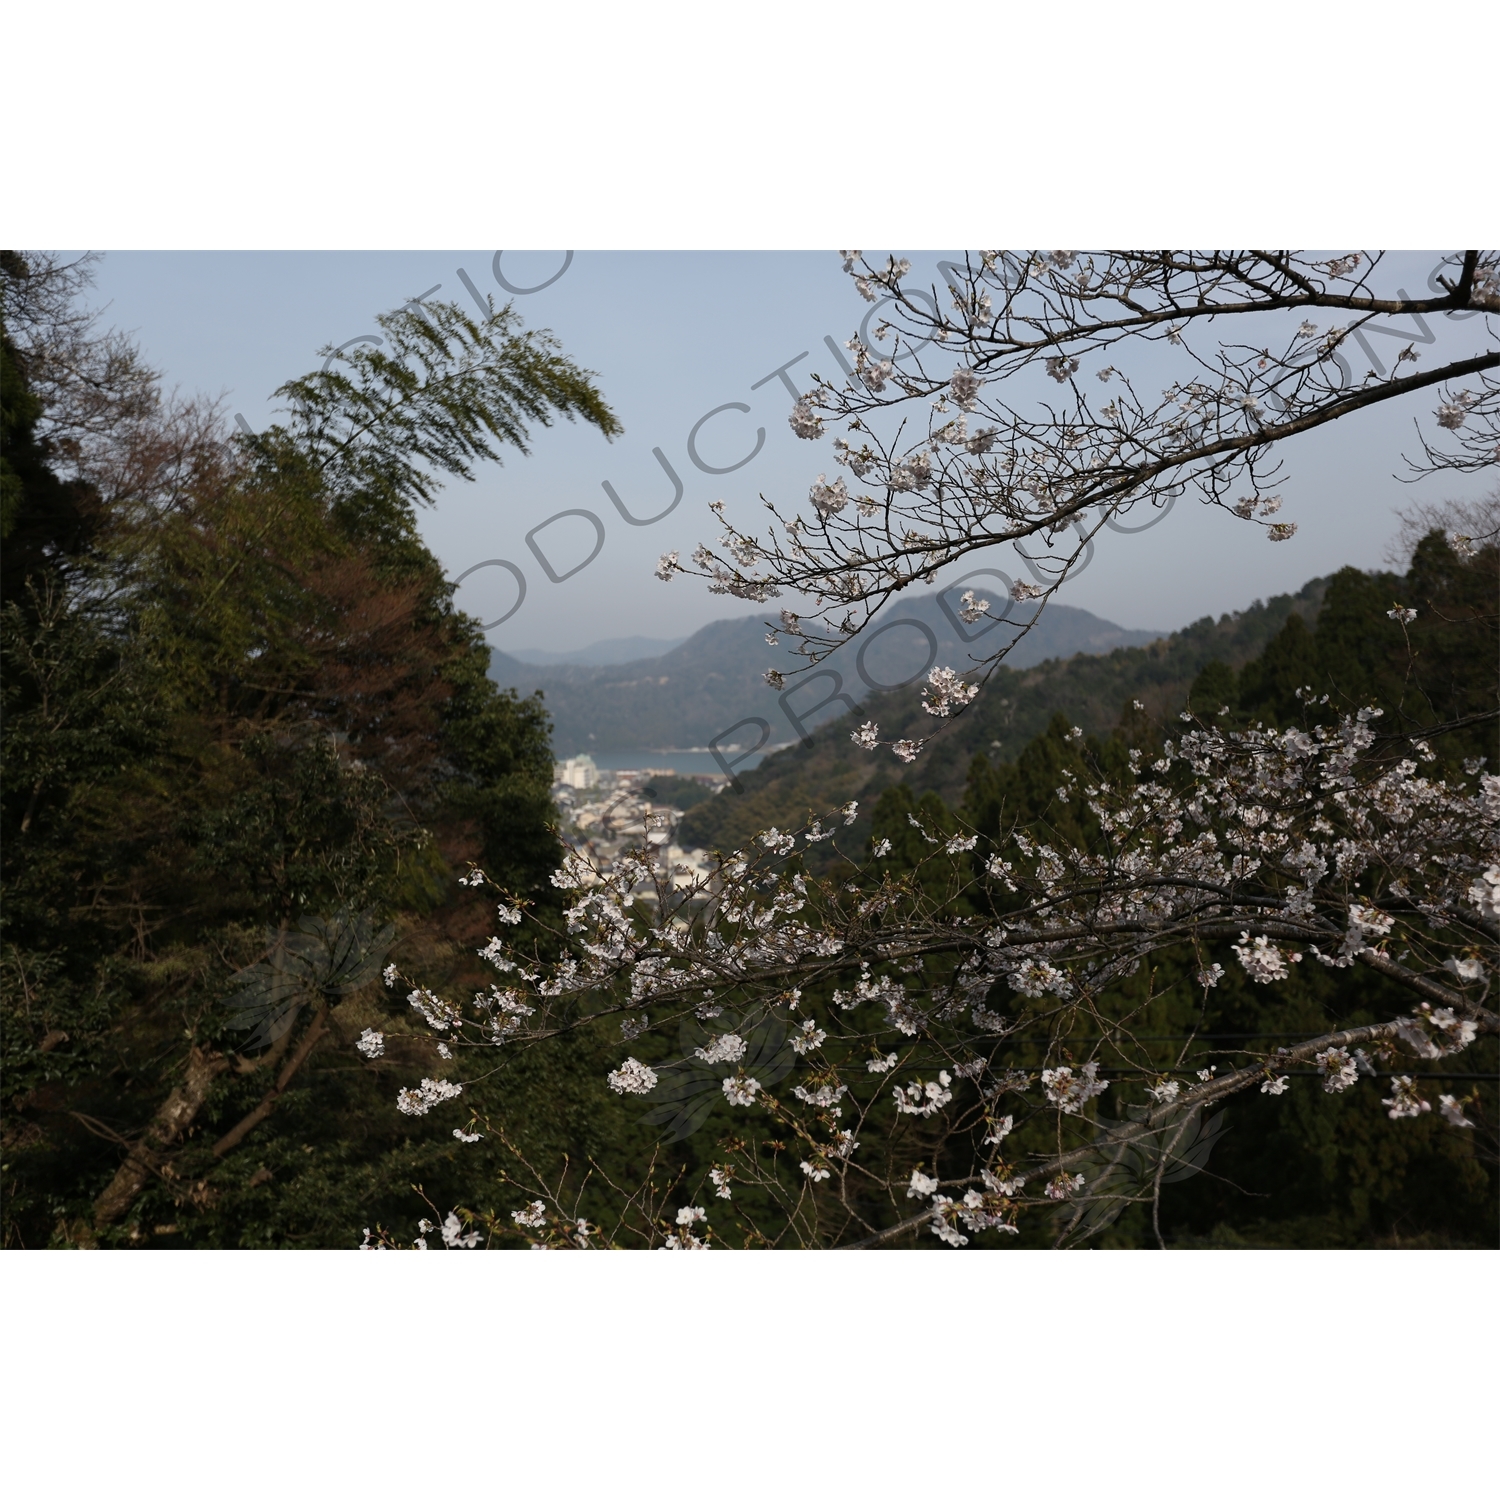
(1310,1169)
(41,518)
(912,826)
(240,702)
(1436,670)
(681,792)
(445,394)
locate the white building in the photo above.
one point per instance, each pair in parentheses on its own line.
(578,771)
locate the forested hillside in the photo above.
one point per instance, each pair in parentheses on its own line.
(248,745)
(1014,707)
(1330,1171)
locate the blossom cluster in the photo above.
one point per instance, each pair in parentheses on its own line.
(429,1092)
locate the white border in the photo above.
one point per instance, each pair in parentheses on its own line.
(1235,1373)
(363,124)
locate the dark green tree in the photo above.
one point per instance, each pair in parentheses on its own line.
(239,700)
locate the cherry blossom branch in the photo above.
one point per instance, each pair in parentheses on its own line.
(1212,1092)
(957,490)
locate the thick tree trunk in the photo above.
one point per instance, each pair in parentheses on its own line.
(171,1120)
(181,1109)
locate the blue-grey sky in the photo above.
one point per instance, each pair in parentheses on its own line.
(672,336)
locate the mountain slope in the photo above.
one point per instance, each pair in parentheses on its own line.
(697,692)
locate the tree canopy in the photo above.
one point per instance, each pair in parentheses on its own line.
(248,742)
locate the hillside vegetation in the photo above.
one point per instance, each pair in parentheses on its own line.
(1014,707)
(1318,1170)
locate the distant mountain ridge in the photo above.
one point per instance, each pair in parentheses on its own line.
(698,691)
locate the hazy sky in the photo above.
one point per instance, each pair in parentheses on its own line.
(673,336)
